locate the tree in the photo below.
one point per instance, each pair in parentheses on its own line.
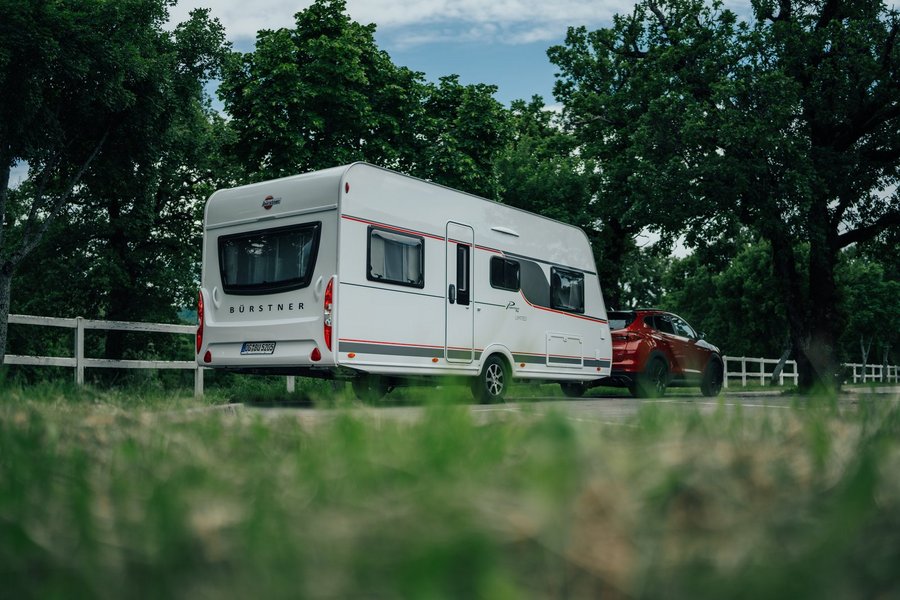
(463,130)
(544,170)
(123,228)
(320,95)
(870,303)
(69,71)
(733,300)
(787,126)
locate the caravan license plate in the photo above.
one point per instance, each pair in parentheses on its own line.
(258,348)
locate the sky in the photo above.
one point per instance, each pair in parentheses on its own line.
(499,42)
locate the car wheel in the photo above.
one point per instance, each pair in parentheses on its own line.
(711,384)
(573,389)
(492,383)
(653,381)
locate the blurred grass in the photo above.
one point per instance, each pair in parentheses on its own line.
(114,494)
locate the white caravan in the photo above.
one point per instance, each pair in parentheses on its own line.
(361,273)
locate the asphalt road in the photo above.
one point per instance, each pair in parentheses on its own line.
(611,410)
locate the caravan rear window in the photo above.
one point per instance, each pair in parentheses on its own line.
(270,260)
(396,258)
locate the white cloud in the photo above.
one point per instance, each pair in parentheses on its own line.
(411,22)
(509,21)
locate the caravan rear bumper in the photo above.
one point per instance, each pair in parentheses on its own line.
(265,346)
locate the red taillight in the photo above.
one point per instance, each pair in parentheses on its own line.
(315,356)
(199,322)
(328,306)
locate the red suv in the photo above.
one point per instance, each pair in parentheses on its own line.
(653,349)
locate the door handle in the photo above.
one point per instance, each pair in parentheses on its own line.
(451,294)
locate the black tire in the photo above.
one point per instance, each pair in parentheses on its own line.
(573,389)
(370,388)
(653,381)
(493,382)
(711,384)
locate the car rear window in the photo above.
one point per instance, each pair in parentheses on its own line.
(269,260)
(620,320)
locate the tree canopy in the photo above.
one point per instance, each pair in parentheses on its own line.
(787,126)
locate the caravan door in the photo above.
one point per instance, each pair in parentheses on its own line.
(459,332)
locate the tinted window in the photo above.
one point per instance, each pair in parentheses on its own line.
(682,328)
(396,258)
(462,274)
(662,323)
(567,290)
(620,320)
(504,274)
(269,261)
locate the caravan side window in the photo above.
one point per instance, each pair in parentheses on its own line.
(395,257)
(504,274)
(567,290)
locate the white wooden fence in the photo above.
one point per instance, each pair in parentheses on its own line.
(757,370)
(79,362)
(866,373)
(752,370)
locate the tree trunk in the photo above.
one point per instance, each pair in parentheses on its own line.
(785,268)
(610,248)
(823,369)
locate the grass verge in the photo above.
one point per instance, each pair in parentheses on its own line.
(107,495)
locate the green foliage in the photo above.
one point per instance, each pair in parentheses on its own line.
(870,303)
(737,306)
(786,126)
(121,146)
(463,131)
(103,493)
(319,95)
(323,94)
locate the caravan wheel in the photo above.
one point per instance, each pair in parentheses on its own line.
(493,381)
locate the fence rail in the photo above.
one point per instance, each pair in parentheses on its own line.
(867,373)
(79,362)
(754,370)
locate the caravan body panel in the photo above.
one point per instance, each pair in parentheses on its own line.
(427,280)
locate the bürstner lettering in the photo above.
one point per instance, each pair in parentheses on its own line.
(260,308)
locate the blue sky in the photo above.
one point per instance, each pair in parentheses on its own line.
(500,42)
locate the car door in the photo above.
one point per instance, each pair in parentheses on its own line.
(693,356)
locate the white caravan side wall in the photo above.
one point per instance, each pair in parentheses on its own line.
(392,329)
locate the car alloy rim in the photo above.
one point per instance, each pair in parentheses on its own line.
(494,379)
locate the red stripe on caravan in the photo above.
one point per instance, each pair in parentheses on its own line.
(392,227)
(561,312)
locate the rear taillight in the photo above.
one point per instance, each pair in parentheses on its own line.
(199,321)
(328,306)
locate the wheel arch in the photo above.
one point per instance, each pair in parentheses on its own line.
(500,350)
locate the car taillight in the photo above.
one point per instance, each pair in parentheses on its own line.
(625,337)
(199,321)
(328,306)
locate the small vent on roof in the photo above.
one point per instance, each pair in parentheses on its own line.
(505,230)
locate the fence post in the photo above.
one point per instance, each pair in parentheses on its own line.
(743,371)
(762,371)
(725,372)
(79,350)
(198,381)
(291,383)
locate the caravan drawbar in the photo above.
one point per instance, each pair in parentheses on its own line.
(362,273)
